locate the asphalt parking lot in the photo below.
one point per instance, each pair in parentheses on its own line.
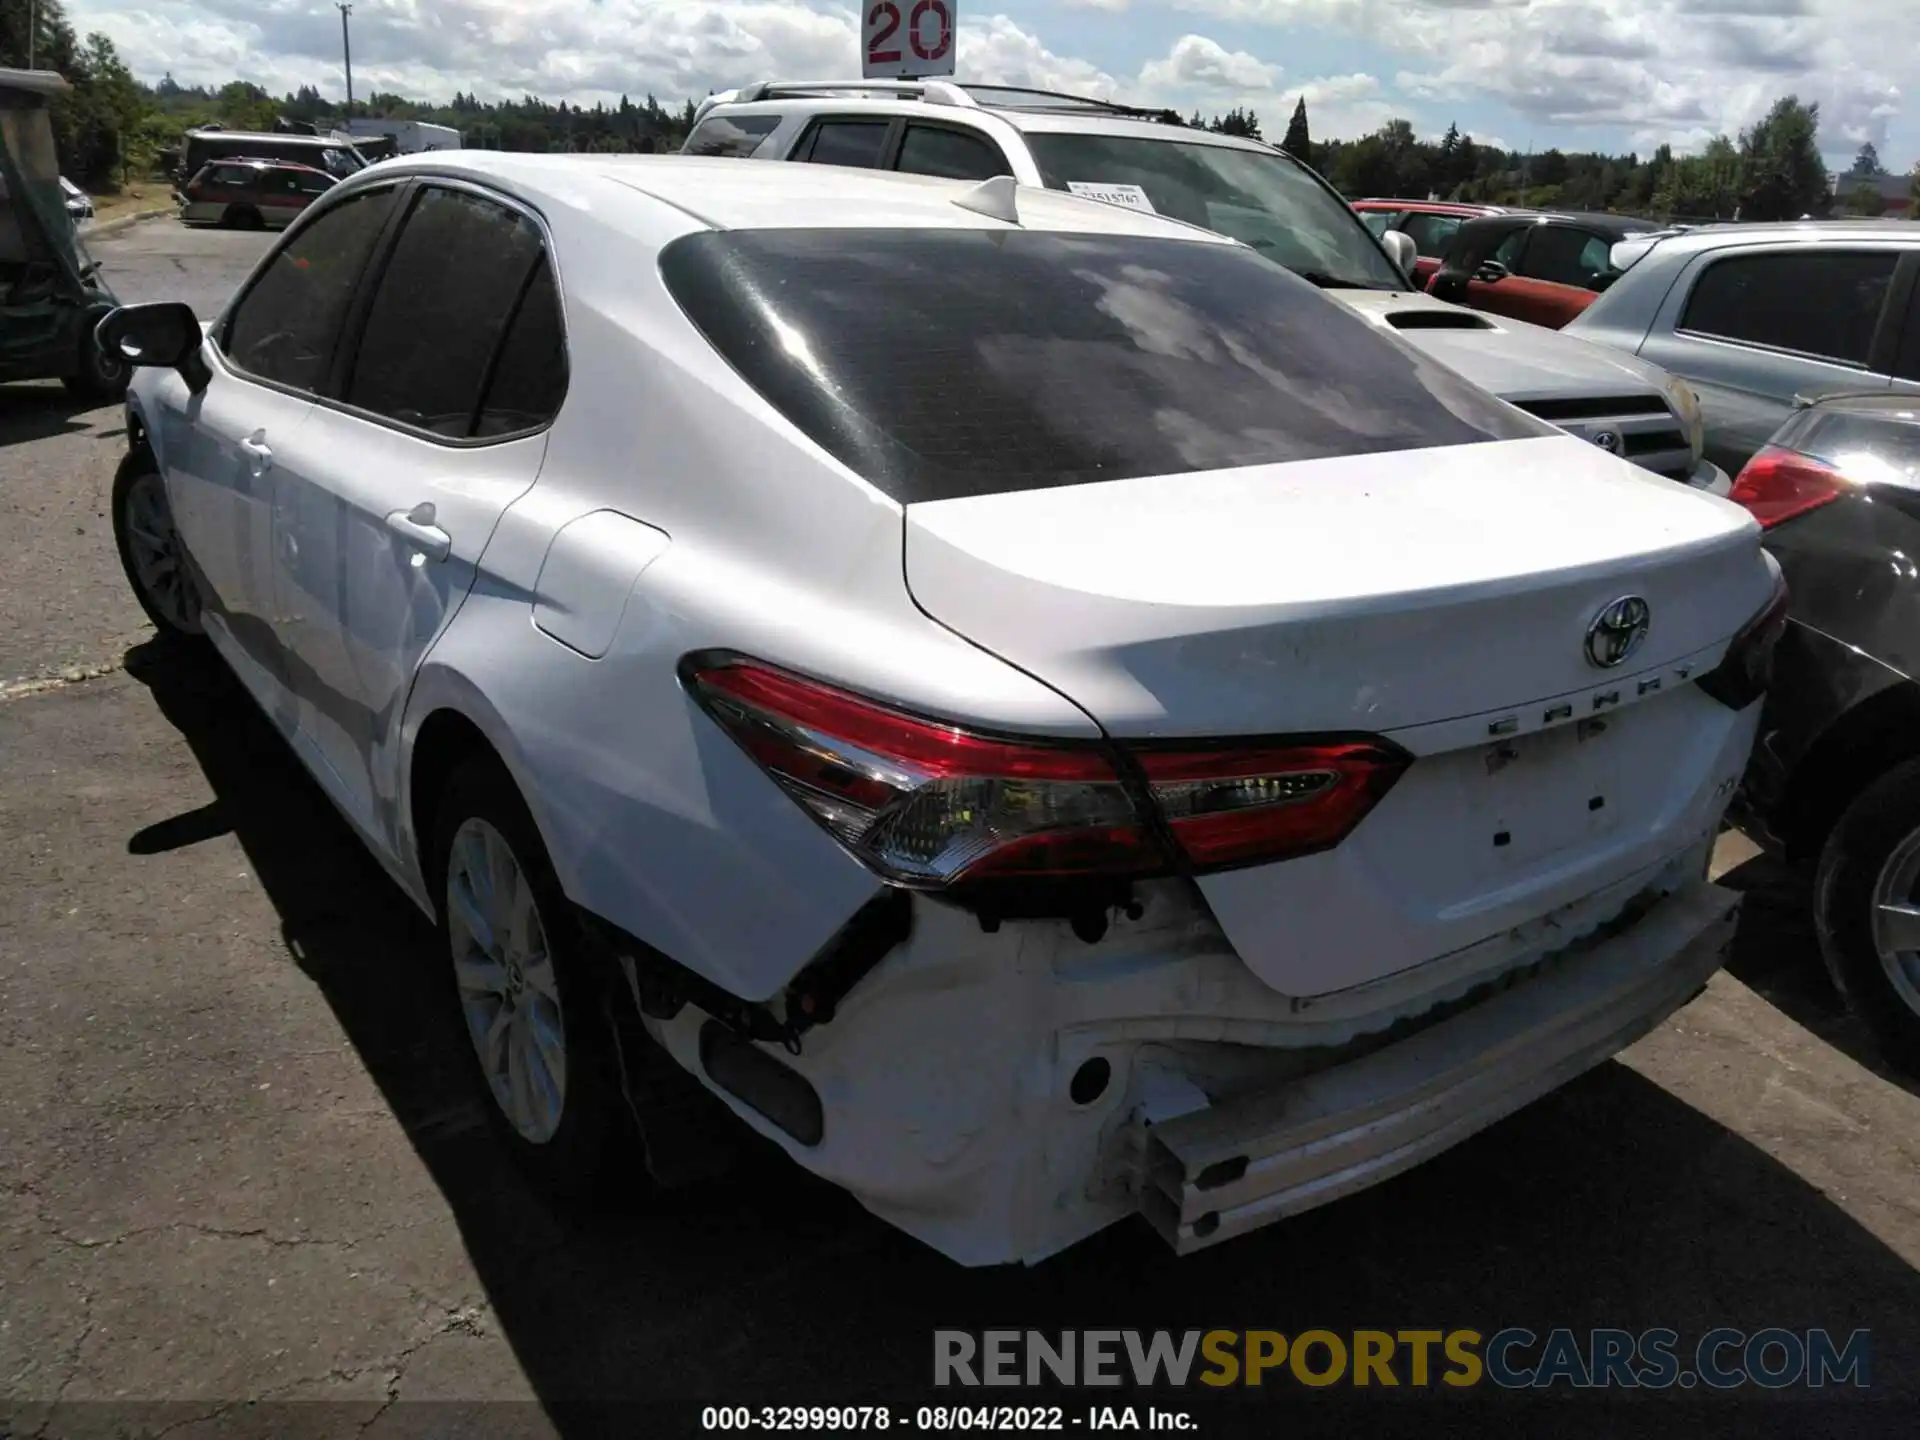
(240,1163)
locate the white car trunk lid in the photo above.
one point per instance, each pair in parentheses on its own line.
(1428,596)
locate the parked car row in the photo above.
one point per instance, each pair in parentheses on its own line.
(1002,644)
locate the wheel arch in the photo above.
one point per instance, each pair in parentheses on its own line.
(449,723)
(1861,745)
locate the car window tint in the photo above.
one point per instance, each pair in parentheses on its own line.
(848,142)
(530,375)
(284,327)
(1907,363)
(1432,234)
(939,363)
(1378,221)
(311,184)
(935,150)
(1565,256)
(1819,302)
(734,136)
(1507,252)
(238,175)
(456,274)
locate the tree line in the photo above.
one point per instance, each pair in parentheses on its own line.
(113,127)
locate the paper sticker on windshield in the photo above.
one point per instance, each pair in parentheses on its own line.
(1131,196)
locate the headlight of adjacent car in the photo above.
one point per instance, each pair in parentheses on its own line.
(1686,408)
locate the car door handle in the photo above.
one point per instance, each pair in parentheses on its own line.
(259,455)
(416,527)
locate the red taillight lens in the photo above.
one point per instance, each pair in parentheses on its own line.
(925,803)
(931,805)
(1744,672)
(1778,485)
(1241,806)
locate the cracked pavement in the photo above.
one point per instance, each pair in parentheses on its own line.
(245,1185)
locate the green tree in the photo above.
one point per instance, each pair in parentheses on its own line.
(1863,197)
(1785,177)
(1298,142)
(1867,161)
(243,105)
(1707,186)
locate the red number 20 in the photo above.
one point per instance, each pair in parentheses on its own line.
(943,37)
(889,17)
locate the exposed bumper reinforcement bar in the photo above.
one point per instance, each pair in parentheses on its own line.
(1223,1171)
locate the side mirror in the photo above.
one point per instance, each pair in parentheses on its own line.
(166,336)
(1401,250)
(1491,272)
(1601,283)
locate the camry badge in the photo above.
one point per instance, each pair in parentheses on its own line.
(1616,632)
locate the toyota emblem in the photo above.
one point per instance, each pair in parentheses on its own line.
(1607,440)
(1616,632)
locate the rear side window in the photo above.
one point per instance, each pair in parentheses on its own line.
(452,285)
(733,136)
(283,329)
(1565,256)
(237,176)
(943,363)
(1817,302)
(848,142)
(935,150)
(530,373)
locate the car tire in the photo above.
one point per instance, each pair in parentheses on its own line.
(528,993)
(102,375)
(152,554)
(1871,861)
(242,217)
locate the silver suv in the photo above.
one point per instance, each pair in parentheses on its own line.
(1756,315)
(1250,191)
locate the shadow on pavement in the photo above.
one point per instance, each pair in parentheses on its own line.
(1610,1203)
(39,410)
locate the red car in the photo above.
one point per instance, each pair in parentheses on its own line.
(251,194)
(1431,224)
(1545,269)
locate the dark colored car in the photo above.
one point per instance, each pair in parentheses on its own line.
(1541,268)
(251,194)
(52,295)
(1430,224)
(1835,774)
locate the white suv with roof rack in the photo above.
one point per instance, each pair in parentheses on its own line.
(1252,192)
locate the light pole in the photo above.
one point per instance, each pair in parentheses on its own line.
(346,49)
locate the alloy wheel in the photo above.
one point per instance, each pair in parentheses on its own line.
(1896,920)
(158,556)
(504,970)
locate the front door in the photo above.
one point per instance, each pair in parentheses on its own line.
(246,433)
(439,425)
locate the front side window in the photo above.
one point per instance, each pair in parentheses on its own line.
(1255,196)
(732,136)
(1818,302)
(944,363)
(936,150)
(1432,235)
(1507,252)
(284,327)
(1566,256)
(848,142)
(456,276)
(1378,221)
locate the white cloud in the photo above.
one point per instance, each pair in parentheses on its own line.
(1662,70)
(1115,6)
(1197,63)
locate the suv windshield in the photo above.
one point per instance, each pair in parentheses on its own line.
(952,362)
(1259,197)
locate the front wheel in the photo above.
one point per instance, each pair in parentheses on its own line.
(102,375)
(1867,908)
(529,992)
(152,552)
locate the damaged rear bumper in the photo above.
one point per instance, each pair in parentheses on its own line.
(1231,1168)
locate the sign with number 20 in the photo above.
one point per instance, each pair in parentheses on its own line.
(907,38)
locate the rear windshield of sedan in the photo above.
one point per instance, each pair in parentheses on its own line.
(945,363)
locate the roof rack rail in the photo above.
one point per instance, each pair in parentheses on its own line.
(1023,97)
(937,92)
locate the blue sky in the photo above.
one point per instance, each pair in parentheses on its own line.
(1576,74)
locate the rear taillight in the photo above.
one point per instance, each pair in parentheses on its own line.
(931,805)
(1778,485)
(1744,671)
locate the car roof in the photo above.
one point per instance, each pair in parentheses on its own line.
(1033,112)
(1725,233)
(730,194)
(1881,404)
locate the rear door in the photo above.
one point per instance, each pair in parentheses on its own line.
(1516,294)
(1752,328)
(434,423)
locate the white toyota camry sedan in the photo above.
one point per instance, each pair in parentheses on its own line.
(1041,711)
